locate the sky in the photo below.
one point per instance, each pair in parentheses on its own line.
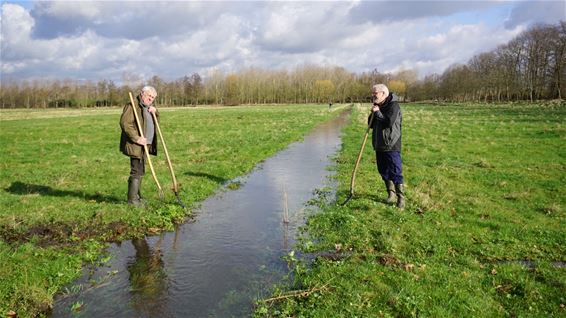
(97,40)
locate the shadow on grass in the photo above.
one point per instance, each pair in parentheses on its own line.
(21,188)
(210,177)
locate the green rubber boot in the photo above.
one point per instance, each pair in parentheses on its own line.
(400,196)
(390,192)
(133,191)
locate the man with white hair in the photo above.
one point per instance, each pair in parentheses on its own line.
(386,141)
(131,141)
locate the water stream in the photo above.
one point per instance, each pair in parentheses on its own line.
(229,256)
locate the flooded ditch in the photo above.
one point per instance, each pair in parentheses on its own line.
(228,257)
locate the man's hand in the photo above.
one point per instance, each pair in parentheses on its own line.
(152,109)
(375,108)
(141,141)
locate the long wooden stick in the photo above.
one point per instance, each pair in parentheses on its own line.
(145,146)
(353,180)
(360,155)
(175,185)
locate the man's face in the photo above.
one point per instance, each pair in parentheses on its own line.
(378,97)
(147,98)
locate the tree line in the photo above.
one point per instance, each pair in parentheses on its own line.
(530,67)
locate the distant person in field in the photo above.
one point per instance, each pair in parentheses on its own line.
(131,142)
(386,141)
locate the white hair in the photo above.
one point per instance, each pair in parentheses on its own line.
(380,88)
(149,89)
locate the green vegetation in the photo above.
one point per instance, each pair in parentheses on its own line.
(484,226)
(63,184)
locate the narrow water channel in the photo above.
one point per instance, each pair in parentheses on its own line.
(228,257)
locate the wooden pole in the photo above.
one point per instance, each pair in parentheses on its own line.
(145,146)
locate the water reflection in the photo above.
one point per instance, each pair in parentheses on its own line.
(148,281)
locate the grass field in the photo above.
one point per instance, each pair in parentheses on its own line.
(63,183)
(484,233)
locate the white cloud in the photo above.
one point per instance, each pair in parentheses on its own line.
(538,11)
(17,49)
(303,27)
(367,34)
(225,43)
(16,22)
(385,11)
(103,39)
(69,9)
(457,45)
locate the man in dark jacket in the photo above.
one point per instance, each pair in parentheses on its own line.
(131,142)
(386,141)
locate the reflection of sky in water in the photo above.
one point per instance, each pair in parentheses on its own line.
(230,255)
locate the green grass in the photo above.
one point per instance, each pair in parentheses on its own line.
(63,183)
(485,190)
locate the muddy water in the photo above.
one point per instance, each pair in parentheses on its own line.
(229,256)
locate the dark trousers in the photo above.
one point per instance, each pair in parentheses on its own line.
(137,167)
(389,166)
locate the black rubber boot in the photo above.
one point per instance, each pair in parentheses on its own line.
(133,191)
(390,186)
(400,196)
(140,198)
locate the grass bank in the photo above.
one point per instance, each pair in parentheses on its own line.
(483,234)
(63,183)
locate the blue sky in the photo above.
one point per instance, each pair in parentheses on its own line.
(95,40)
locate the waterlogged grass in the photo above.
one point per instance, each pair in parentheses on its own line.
(63,184)
(483,234)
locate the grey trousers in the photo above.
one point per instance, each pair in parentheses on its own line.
(137,167)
